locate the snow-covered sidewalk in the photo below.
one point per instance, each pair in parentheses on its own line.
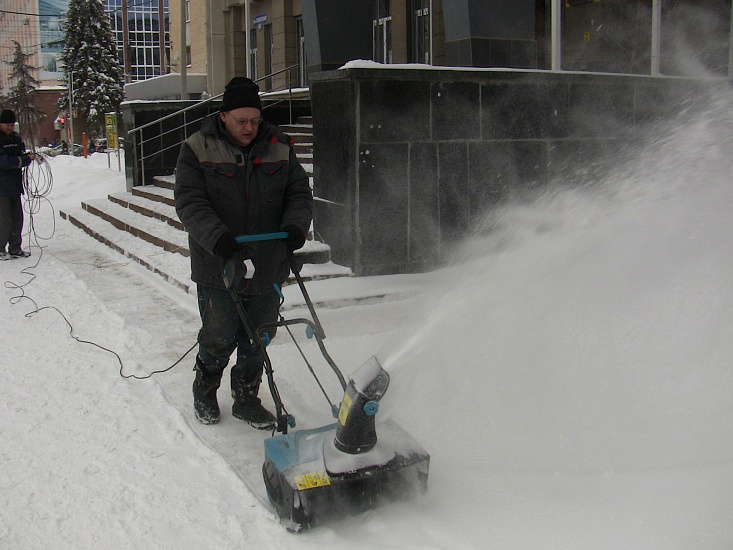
(569,374)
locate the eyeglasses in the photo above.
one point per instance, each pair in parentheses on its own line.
(245,121)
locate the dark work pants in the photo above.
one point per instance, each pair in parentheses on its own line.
(11,223)
(222,330)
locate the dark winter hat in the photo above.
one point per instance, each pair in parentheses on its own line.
(7,117)
(241,92)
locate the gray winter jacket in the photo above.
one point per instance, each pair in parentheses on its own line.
(221,189)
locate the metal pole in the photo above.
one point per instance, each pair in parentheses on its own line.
(730,45)
(432,38)
(161,37)
(656,35)
(183,58)
(247,38)
(126,61)
(556,36)
(71,112)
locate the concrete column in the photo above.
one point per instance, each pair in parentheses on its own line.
(217,69)
(336,32)
(490,33)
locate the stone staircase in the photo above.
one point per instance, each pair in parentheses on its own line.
(143,225)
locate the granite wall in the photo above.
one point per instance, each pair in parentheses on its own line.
(407,161)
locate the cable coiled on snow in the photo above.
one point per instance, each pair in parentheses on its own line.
(37,186)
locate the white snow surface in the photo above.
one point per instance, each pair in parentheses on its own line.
(569,372)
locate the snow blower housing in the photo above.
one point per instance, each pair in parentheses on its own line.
(313,475)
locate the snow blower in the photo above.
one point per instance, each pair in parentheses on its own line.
(316,475)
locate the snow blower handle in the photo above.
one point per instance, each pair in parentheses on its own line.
(261,237)
(295,267)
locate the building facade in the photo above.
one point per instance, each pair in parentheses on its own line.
(318,35)
(141,34)
(18,24)
(290,39)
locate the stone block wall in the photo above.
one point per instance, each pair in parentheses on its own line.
(407,161)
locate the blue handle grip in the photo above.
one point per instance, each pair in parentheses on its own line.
(261,237)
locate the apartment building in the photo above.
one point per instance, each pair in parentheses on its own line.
(18,24)
(140,28)
(141,34)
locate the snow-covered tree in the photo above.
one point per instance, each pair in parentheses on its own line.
(21,96)
(91,65)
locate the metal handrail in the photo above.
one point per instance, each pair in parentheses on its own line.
(138,141)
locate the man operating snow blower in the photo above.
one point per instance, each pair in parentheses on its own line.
(238,176)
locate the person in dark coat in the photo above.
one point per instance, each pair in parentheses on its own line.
(237,176)
(13,159)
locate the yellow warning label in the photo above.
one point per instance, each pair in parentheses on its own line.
(312,480)
(344,410)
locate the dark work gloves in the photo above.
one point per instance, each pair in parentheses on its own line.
(226,246)
(296,237)
(238,269)
(237,266)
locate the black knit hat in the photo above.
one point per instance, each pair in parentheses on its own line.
(241,92)
(7,117)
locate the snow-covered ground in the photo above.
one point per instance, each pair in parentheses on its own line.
(570,374)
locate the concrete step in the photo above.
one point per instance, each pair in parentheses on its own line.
(303,149)
(297,128)
(301,138)
(148,228)
(143,225)
(155,193)
(156,222)
(166,182)
(172,267)
(154,209)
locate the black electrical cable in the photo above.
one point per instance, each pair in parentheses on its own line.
(37,185)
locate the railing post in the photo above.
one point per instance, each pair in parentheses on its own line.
(135,166)
(556,36)
(730,46)
(290,94)
(142,161)
(656,37)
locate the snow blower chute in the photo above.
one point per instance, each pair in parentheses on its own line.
(316,475)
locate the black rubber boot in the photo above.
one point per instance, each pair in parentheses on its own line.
(205,385)
(247,406)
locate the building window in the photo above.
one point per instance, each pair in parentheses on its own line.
(302,59)
(269,62)
(382,32)
(145,31)
(254,73)
(421,31)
